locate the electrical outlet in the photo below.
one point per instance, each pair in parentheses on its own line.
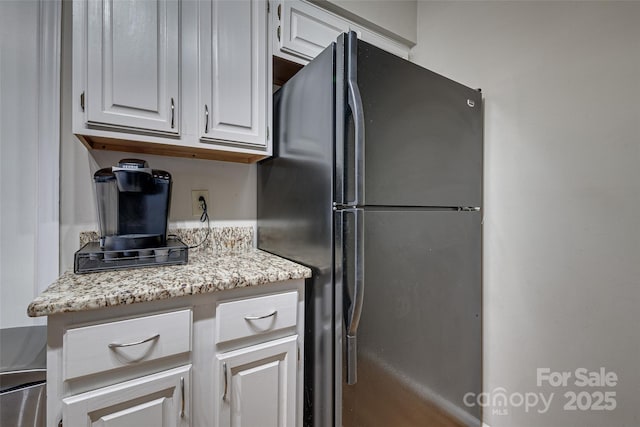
(196,209)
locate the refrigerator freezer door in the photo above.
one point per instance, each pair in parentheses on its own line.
(423,135)
(295,217)
(419,338)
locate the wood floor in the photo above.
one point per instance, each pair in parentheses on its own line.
(395,405)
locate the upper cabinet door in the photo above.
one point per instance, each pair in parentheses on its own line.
(302,29)
(306,30)
(133,61)
(234,72)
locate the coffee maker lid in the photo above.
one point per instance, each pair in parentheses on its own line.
(133,164)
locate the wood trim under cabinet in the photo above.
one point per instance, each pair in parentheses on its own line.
(112,144)
(283,70)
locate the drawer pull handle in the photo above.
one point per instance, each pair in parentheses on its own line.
(173,113)
(182,397)
(273,313)
(206,118)
(224,370)
(114,345)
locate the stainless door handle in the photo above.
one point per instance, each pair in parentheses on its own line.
(182,395)
(354,100)
(355,311)
(116,345)
(173,115)
(206,118)
(264,316)
(224,370)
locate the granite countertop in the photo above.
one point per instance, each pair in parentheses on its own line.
(209,269)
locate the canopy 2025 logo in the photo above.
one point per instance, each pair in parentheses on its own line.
(586,399)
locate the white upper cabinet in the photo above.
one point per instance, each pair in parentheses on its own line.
(133,64)
(234,71)
(301,30)
(171,77)
(305,31)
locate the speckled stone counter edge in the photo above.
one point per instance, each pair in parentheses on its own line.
(227,261)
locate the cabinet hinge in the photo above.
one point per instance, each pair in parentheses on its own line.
(82,101)
(298,353)
(60,424)
(267,132)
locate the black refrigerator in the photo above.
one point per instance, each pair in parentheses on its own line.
(376,184)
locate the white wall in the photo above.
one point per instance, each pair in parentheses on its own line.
(396,18)
(232,187)
(562,190)
(18,151)
(29,49)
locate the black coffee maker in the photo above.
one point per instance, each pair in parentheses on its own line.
(133,206)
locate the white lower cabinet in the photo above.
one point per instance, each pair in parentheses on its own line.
(228,358)
(159,400)
(257,385)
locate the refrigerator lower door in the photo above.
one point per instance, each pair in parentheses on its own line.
(419,348)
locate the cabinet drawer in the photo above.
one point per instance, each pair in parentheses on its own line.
(255,316)
(96,348)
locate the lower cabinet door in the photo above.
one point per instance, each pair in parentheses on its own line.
(257,385)
(159,400)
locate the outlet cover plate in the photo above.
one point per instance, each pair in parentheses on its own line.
(196,210)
